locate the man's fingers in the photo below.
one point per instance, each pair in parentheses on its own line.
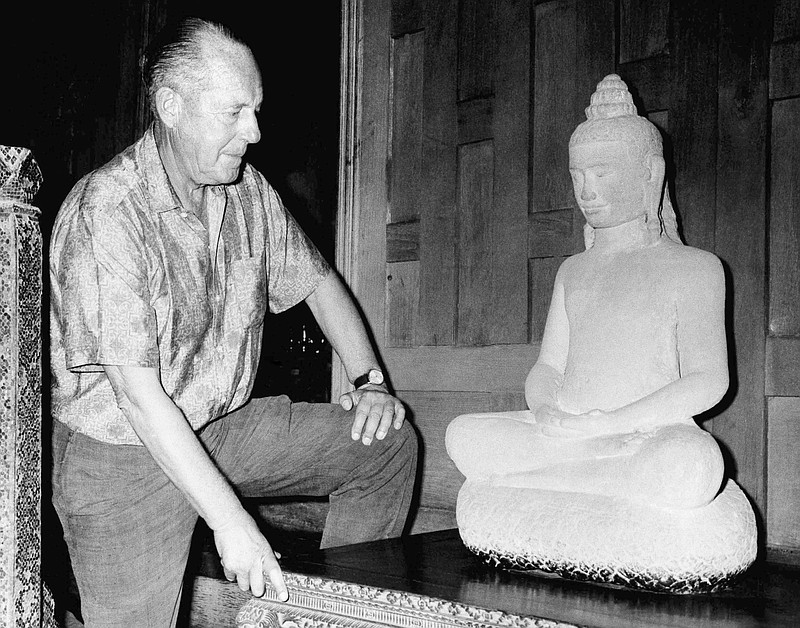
(373,422)
(385,421)
(257,577)
(399,415)
(374,414)
(358,424)
(348,400)
(230,576)
(272,569)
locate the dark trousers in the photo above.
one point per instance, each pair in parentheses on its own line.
(128,528)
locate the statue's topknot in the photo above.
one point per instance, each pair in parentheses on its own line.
(612,116)
(611,100)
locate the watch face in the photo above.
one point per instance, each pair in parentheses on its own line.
(375,377)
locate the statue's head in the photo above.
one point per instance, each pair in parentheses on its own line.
(617,165)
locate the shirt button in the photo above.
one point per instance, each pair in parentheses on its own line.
(184,214)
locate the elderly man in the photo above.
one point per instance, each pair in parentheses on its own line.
(163,262)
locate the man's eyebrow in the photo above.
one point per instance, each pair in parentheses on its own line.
(602,164)
(225,104)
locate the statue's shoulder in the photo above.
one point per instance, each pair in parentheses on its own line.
(691,270)
(572,265)
(691,257)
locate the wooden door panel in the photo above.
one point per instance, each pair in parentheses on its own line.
(431,413)
(782,383)
(783,501)
(406,160)
(437,239)
(501,368)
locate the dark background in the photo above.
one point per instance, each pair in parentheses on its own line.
(67,94)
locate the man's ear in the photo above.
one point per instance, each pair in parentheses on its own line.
(168,106)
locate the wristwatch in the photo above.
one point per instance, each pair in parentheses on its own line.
(373,376)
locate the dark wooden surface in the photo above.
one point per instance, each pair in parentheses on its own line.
(437,564)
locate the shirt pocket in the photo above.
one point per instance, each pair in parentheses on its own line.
(247,282)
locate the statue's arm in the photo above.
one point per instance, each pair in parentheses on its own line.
(547,374)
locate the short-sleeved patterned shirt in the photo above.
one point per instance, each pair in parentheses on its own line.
(134,281)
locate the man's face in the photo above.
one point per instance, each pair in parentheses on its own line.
(218,120)
(609,183)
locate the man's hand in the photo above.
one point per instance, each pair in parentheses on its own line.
(247,557)
(376,412)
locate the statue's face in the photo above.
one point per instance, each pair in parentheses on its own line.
(610,181)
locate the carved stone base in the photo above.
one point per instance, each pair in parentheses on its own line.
(316,602)
(608,540)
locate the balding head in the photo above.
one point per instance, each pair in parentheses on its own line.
(185,54)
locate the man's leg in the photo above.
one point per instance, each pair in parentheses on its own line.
(272,447)
(128,530)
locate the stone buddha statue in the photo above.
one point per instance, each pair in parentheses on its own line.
(634,344)
(634,348)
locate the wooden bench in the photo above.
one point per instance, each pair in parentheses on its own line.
(433,580)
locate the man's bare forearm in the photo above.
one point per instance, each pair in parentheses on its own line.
(245,554)
(169,438)
(340,321)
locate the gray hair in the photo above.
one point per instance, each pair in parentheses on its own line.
(178,56)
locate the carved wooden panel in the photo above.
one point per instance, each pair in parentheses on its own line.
(318,602)
(24,601)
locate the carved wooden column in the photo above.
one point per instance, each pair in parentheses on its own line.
(24,602)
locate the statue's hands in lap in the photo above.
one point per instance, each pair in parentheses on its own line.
(557,423)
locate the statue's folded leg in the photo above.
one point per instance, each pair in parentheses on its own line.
(676,466)
(489,444)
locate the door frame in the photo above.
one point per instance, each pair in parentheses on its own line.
(362,204)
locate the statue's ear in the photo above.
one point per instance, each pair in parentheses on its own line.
(168,106)
(656,166)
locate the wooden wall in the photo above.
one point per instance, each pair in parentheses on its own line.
(782,385)
(467,108)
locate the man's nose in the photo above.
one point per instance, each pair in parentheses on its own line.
(250,131)
(587,192)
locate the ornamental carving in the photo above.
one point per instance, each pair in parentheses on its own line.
(316,602)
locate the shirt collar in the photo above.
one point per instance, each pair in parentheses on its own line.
(158,185)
